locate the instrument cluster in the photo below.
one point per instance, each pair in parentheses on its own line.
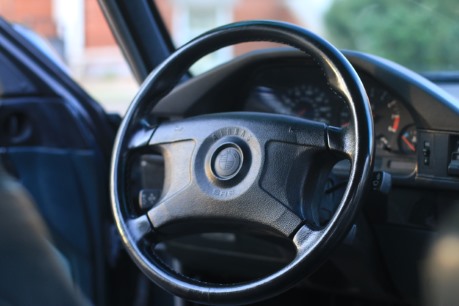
(297,91)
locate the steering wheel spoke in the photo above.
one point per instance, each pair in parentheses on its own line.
(305,238)
(341,140)
(192,211)
(140,138)
(139,227)
(278,167)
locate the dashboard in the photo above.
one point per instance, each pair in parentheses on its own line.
(415,121)
(416,142)
(297,91)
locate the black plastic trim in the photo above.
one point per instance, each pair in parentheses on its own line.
(140,32)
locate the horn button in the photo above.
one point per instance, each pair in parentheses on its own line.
(227,161)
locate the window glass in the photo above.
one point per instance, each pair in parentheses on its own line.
(422,35)
(80,41)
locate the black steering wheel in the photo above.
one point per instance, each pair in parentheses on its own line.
(249,171)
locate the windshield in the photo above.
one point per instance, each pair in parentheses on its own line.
(420,34)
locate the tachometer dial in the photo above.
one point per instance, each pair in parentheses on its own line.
(394,123)
(387,118)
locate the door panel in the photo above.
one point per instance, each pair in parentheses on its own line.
(57,141)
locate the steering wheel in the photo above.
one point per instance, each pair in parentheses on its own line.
(242,171)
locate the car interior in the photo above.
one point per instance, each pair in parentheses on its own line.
(301,174)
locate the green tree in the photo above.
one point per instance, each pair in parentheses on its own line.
(420,34)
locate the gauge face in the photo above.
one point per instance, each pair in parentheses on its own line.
(386,117)
(308,101)
(408,139)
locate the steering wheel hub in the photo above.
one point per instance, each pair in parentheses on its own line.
(227,161)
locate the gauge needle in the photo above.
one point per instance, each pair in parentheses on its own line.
(394,127)
(385,143)
(408,143)
(302,111)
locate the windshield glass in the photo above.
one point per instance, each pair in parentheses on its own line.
(420,34)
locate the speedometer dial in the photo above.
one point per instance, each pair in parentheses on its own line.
(308,101)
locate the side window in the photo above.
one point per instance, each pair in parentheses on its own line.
(78,32)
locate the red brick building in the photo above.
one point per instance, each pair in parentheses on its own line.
(81,33)
(186,18)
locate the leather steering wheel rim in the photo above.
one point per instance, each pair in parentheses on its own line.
(356,142)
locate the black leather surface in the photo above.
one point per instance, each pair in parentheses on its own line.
(313,245)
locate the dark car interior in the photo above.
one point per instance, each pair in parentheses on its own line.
(299,175)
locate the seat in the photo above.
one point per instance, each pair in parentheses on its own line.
(31,272)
